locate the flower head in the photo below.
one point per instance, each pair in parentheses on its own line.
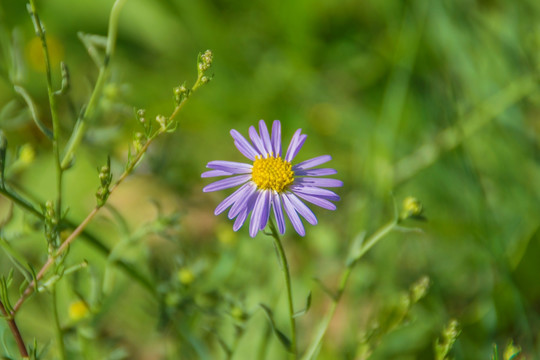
(272,182)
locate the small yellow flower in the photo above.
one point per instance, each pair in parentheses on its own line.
(185,276)
(26,154)
(78,310)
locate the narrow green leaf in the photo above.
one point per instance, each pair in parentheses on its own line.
(305,310)
(355,251)
(92,43)
(66,84)
(495,355)
(33,110)
(328,292)
(4,295)
(17,259)
(279,334)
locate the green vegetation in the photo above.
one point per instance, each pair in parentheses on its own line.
(429,109)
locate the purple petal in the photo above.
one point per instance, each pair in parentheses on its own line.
(214,173)
(227,183)
(266,209)
(243,145)
(302,208)
(259,211)
(293,216)
(325,204)
(230,166)
(263,130)
(292,144)
(319,182)
(241,203)
(244,213)
(278,212)
(276,138)
(298,146)
(312,162)
(231,199)
(257,142)
(315,191)
(315,172)
(239,221)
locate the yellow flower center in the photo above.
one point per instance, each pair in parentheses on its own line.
(272,173)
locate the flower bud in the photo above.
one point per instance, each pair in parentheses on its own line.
(186,276)
(419,289)
(180,93)
(162,121)
(411,208)
(140,115)
(205,60)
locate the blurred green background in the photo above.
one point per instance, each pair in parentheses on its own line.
(434,99)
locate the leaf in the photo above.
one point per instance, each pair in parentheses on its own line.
(15,257)
(280,335)
(92,43)
(66,85)
(328,292)
(33,110)
(305,310)
(495,355)
(4,296)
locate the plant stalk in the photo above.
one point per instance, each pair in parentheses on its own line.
(287,276)
(15,331)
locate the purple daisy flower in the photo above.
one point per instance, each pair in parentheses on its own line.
(271,182)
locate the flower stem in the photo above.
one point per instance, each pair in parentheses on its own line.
(323,327)
(40,32)
(58,328)
(15,331)
(287,276)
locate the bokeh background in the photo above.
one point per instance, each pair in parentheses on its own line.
(433,99)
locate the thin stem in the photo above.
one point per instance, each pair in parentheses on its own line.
(40,32)
(78,133)
(15,331)
(58,328)
(323,327)
(287,276)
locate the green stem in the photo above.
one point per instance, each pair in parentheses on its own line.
(78,132)
(40,32)
(287,276)
(323,327)
(58,329)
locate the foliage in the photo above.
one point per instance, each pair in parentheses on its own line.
(432,105)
